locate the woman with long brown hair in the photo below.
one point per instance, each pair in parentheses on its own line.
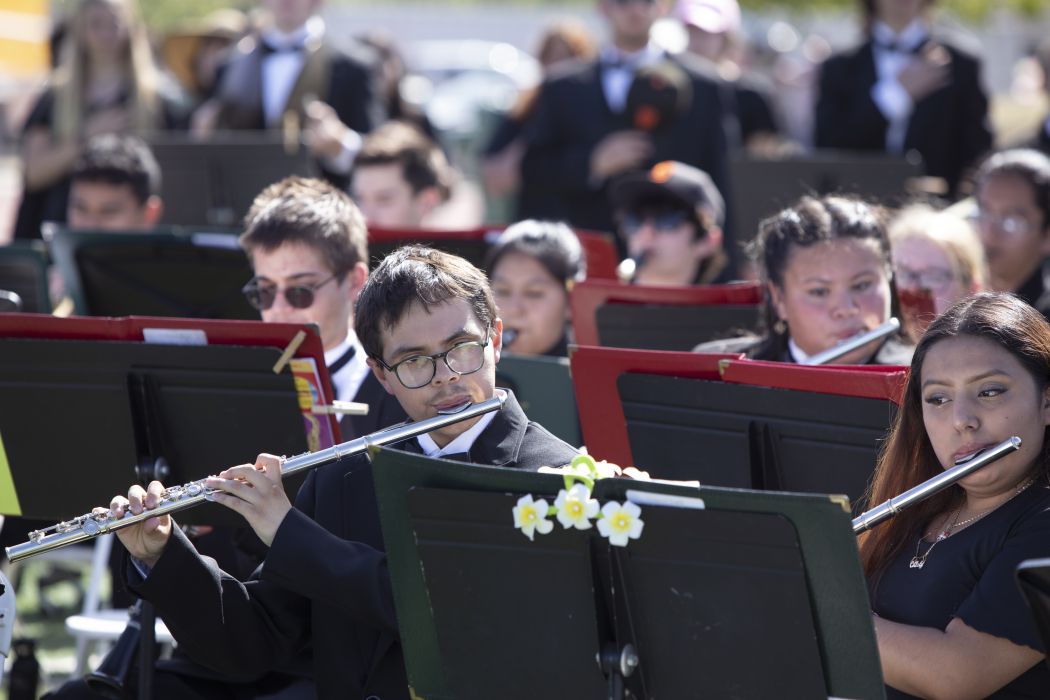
(949,618)
(105,81)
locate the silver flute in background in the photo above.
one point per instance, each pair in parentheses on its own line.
(884,511)
(175,498)
(850,344)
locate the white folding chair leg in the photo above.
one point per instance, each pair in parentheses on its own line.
(99,566)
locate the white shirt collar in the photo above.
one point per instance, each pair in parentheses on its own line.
(462,442)
(797,353)
(910,37)
(330,356)
(635,59)
(348,380)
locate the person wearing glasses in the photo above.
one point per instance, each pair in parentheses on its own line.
(670,219)
(1013,220)
(428,324)
(935,254)
(308,247)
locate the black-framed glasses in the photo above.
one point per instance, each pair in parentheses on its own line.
(419,370)
(262,295)
(661,221)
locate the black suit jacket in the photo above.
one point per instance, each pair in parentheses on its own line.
(383,410)
(948,127)
(571,116)
(324,584)
(351,90)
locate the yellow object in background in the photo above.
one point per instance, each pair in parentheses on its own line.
(8,497)
(25,27)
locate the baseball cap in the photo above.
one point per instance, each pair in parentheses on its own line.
(714,16)
(676,181)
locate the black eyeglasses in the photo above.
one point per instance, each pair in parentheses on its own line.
(419,370)
(262,295)
(661,221)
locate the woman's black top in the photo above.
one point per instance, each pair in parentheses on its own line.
(970,575)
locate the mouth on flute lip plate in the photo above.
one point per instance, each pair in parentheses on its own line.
(968,452)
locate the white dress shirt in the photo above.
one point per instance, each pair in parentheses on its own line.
(619,69)
(889,95)
(348,380)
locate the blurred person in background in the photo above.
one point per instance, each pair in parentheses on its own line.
(294,77)
(106,82)
(1012,190)
(400,177)
(632,107)
(115,186)
(936,254)
(195,50)
(1041,141)
(906,88)
(501,167)
(713,28)
(670,218)
(829,277)
(392,72)
(532,267)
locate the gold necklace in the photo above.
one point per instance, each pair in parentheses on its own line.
(918,562)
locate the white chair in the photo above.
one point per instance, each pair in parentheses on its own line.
(95,624)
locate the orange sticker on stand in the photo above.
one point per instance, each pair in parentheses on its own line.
(662,172)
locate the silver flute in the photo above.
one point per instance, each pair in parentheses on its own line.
(175,498)
(884,511)
(850,344)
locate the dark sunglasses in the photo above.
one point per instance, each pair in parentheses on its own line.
(661,221)
(263,295)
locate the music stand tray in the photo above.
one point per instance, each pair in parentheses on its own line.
(757,595)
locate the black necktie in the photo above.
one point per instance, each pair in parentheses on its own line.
(343,361)
(901,47)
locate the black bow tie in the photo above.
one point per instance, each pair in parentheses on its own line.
(902,47)
(343,361)
(268,49)
(457,457)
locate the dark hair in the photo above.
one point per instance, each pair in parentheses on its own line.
(809,222)
(119,159)
(551,243)
(417,274)
(907,458)
(422,163)
(1028,164)
(311,212)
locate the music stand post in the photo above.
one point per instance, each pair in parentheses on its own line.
(757,595)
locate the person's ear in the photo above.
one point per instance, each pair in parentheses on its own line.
(497,338)
(709,244)
(357,276)
(152,210)
(381,374)
(427,200)
(776,297)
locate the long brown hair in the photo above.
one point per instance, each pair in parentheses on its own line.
(907,458)
(71,75)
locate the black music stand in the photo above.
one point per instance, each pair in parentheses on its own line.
(756,596)
(1033,576)
(23,270)
(755,437)
(543,388)
(214,181)
(762,186)
(175,272)
(666,327)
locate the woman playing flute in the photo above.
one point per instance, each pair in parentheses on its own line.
(949,617)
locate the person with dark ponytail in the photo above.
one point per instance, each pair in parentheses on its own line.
(828,275)
(949,617)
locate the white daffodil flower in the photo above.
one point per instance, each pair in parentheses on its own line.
(620,522)
(576,508)
(531,516)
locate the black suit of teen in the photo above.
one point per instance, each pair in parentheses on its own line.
(948,127)
(325,581)
(570,118)
(383,410)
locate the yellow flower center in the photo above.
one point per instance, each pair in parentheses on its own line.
(621,522)
(530,514)
(575,508)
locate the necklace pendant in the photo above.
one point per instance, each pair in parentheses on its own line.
(916,563)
